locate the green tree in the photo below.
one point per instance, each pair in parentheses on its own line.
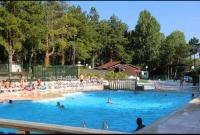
(53,13)
(193,46)
(147,40)
(116,39)
(11,36)
(175,52)
(31,16)
(94,34)
(78,26)
(103,30)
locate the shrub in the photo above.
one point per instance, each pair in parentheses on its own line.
(113,75)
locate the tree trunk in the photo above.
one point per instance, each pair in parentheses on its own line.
(63,57)
(168,72)
(111,55)
(175,72)
(93,61)
(171,71)
(46,58)
(10,58)
(30,60)
(73,55)
(34,59)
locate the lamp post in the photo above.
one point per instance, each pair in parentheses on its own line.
(146,67)
(79,64)
(192,67)
(147,74)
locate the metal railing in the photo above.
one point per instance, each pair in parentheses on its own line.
(25,127)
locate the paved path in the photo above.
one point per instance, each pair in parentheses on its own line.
(184,120)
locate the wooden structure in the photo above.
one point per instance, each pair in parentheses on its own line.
(122,84)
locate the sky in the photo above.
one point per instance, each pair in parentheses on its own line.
(171,15)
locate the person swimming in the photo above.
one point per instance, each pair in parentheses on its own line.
(58,104)
(109,101)
(139,123)
(10,101)
(192,95)
(62,106)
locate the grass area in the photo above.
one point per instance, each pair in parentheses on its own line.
(143,81)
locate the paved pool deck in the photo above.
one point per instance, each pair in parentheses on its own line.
(183,121)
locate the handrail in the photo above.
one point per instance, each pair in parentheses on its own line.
(50,128)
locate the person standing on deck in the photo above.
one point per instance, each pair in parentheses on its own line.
(181,82)
(81,79)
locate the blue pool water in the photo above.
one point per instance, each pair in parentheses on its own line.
(92,107)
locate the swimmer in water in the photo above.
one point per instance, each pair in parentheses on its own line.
(139,123)
(10,101)
(58,104)
(62,106)
(109,101)
(192,95)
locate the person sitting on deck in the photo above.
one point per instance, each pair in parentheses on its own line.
(39,82)
(29,87)
(43,87)
(139,123)
(1,84)
(157,87)
(21,81)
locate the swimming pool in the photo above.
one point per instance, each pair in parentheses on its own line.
(93,109)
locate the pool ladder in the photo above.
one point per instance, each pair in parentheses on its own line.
(83,124)
(104,125)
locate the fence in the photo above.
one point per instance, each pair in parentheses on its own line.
(65,72)
(55,72)
(116,84)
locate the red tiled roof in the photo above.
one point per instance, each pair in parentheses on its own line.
(109,65)
(129,69)
(126,68)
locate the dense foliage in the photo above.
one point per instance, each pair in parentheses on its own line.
(54,33)
(113,75)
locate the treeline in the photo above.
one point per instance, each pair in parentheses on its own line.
(53,33)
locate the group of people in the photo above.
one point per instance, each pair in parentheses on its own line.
(22,84)
(5,84)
